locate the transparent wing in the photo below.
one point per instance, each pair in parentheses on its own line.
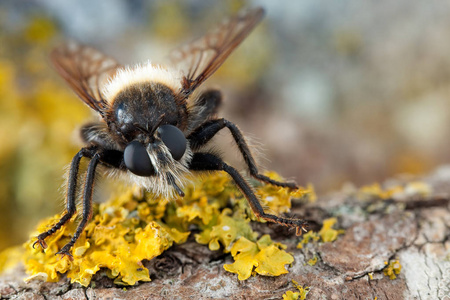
(202,57)
(86,70)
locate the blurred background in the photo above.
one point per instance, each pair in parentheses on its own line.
(333,91)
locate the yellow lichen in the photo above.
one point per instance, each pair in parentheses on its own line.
(225,230)
(326,233)
(300,295)
(312,261)
(418,188)
(289,295)
(104,244)
(375,191)
(263,257)
(200,209)
(278,199)
(307,237)
(136,226)
(392,268)
(309,193)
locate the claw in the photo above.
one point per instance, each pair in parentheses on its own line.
(300,229)
(65,253)
(41,243)
(294,188)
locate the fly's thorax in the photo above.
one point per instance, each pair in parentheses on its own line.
(142,107)
(138,74)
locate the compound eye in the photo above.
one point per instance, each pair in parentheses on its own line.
(137,160)
(174,139)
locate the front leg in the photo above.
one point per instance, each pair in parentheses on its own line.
(87,204)
(210,162)
(208,130)
(71,196)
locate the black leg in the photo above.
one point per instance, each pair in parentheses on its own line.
(71,196)
(208,130)
(209,162)
(87,204)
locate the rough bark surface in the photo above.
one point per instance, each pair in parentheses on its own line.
(414,229)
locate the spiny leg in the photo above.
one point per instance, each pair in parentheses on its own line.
(71,196)
(209,162)
(87,204)
(209,129)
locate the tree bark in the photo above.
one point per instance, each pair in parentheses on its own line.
(408,226)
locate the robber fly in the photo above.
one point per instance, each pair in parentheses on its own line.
(154,125)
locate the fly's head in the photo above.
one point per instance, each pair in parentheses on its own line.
(159,159)
(146,121)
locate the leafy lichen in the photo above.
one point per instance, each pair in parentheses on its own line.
(263,257)
(375,191)
(326,234)
(135,226)
(392,268)
(312,261)
(300,295)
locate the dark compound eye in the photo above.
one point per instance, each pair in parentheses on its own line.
(137,160)
(174,139)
